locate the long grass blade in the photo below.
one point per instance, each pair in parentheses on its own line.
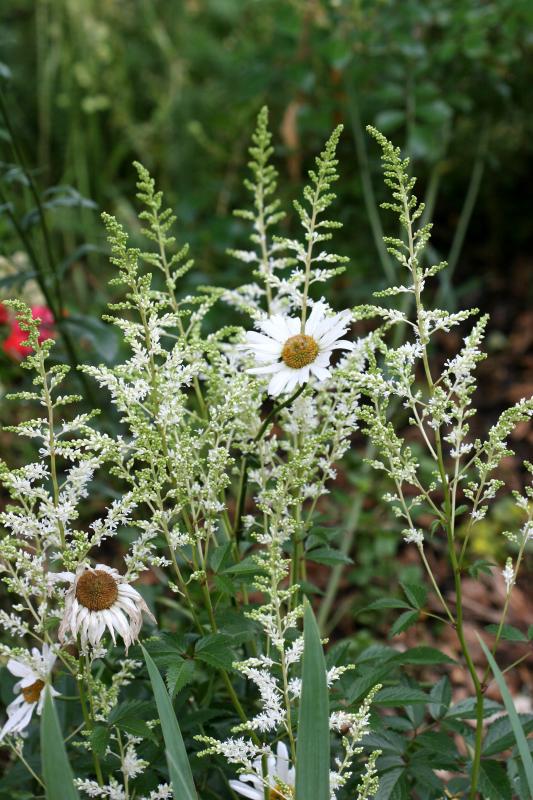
(57,774)
(313,746)
(519,735)
(178,763)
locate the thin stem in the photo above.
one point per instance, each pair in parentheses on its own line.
(21,758)
(243,480)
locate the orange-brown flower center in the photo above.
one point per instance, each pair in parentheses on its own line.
(96,590)
(299,351)
(32,693)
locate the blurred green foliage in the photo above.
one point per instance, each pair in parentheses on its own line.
(176,84)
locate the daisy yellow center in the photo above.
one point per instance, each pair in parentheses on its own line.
(96,590)
(32,693)
(299,351)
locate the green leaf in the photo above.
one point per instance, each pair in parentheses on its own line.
(519,735)
(179,675)
(500,734)
(99,740)
(313,746)
(508,632)
(57,774)
(328,556)
(441,697)
(493,781)
(214,649)
(390,783)
(530,633)
(423,655)
(178,763)
(385,602)
(219,556)
(438,742)
(480,566)
(404,621)
(399,696)
(415,593)
(466,709)
(247,566)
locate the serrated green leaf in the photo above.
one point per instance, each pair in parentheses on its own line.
(493,781)
(385,602)
(508,632)
(481,566)
(500,734)
(441,697)
(57,774)
(438,742)
(328,556)
(416,593)
(248,566)
(466,709)
(389,782)
(178,762)
(219,556)
(404,621)
(423,655)
(179,675)
(215,650)
(99,739)
(313,745)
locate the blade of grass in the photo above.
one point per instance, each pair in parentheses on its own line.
(519,735)
(57,774)
(178,763)
(313,746)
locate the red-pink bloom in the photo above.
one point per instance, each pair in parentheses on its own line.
(13,344)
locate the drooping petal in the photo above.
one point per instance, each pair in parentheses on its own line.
(278,382)
(246,791)
(18,669)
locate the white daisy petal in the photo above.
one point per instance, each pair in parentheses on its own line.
(278,382)
(246,791)
(315,318)
(275,327)
(291,357)
(18,668)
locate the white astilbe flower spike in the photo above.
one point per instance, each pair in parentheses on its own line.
(281,778)
(101,598)
(292,356)
(33,672)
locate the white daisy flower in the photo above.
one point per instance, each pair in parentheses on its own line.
(34,672)
(281,778)
(101,598)
(292,356)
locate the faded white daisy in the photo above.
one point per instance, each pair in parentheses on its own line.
(291,355)
(281,778)
(99,598)
(33,671)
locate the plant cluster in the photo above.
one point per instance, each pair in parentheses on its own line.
(228,441)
